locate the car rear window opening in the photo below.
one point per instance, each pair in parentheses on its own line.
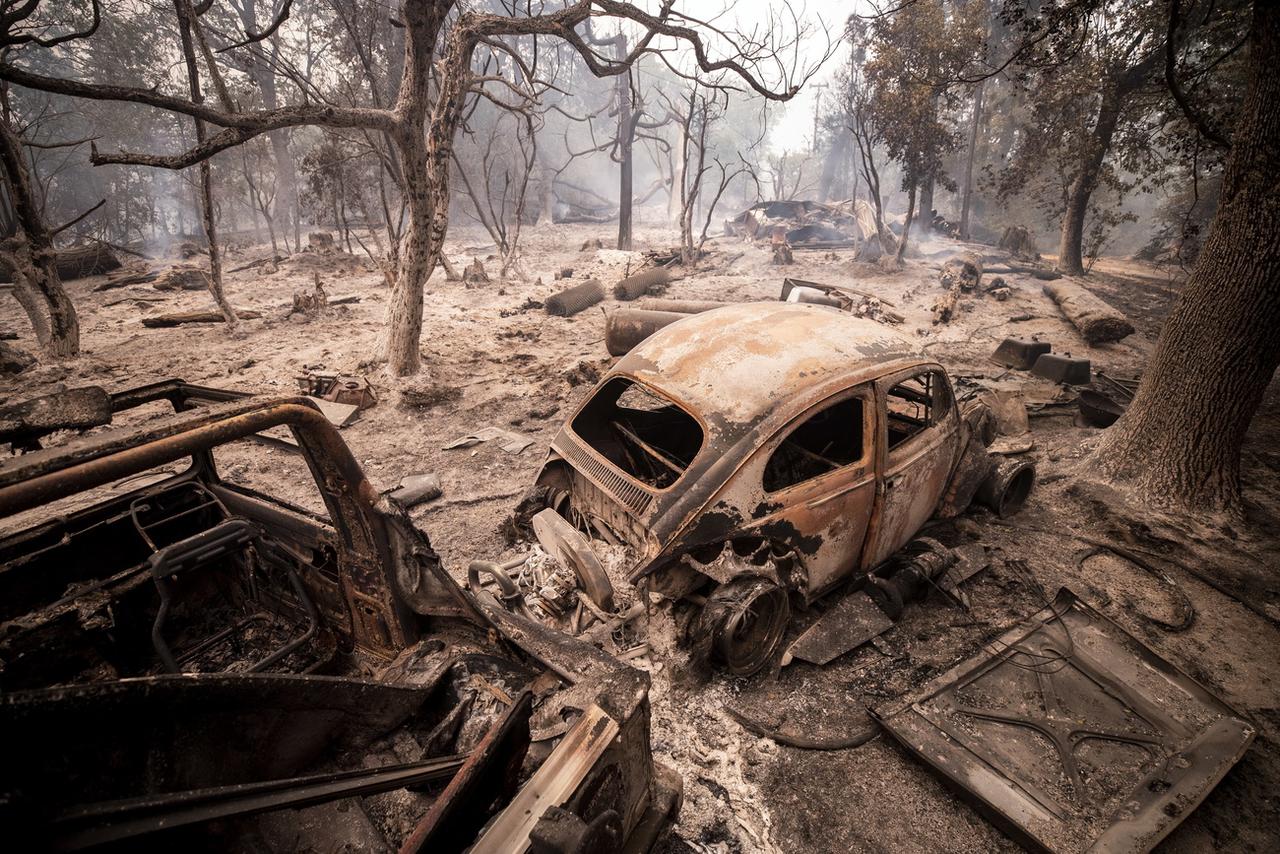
(639,431)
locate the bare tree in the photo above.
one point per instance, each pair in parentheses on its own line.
(437,77)
(29,253)
(695,114)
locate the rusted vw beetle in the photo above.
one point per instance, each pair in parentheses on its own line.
(768,449)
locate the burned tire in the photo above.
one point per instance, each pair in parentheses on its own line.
(745,620)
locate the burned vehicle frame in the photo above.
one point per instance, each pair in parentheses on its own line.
(188,656)
(770,449)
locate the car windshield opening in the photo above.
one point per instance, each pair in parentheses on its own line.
(640,432)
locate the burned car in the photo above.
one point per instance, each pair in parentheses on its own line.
(188,661)
(765,450)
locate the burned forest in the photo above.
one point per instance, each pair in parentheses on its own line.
(586,426)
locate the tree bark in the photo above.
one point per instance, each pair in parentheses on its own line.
(1178,444)
(35,272)
(906,225)
(626,151)
(1071,243)
(547,196)
(424,163)
(926,207)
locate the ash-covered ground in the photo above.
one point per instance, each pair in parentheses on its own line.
(492,358)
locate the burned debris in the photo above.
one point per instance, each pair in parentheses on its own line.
(168,587)
(1072,734)
(805,224)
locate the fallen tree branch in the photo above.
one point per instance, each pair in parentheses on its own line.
(165,321)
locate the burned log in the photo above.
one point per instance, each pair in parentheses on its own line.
(634,287)
(572,300)
(22,424)
(963,271)
(945,308)
(1043,273)
(627,327)
(682,306)
(124,279)
(75,263)
(1097,321)
(164,321)
(182,277)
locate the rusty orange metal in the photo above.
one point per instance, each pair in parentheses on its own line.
(749,374)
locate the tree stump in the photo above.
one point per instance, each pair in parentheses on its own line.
(474,273)
(311,304)
(1019,243)
(320,241)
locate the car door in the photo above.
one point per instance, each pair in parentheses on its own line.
(918,429)
(818,480)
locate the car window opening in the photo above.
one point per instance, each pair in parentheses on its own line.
(640,432)
(914,405)
(828,440)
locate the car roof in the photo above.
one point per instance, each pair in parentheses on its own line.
(740,363)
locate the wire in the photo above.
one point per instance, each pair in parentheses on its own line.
(1041,661)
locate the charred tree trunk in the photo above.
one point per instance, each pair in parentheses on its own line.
(404,309)
(547,185)
(968,163)
(186,24)
(424,163)
(1116,89)
(906,225)
(675,202)
(1179,441)
(926,207)
(1071,243)
(626,152)
(35,274)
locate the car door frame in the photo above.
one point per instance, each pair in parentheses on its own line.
(822,494)
(890,473)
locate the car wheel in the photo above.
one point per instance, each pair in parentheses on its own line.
(746,619)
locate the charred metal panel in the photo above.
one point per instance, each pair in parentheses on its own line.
(1072,734)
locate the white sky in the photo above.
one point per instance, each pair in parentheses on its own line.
(791,122)
(793,129)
